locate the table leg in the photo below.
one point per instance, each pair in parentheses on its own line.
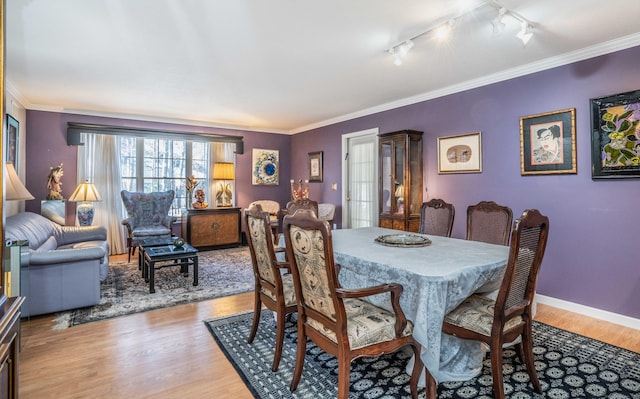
(151,271)
(195,270)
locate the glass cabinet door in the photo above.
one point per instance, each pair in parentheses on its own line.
(400,169)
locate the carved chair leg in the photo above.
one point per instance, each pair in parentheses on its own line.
(256,317)
(300,354)
(418,366)
(279,338)
(527,354)
(344,376)
(496,370)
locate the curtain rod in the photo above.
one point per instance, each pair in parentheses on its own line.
(74,129)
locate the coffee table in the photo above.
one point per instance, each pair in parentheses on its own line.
(169,256)
(151,241)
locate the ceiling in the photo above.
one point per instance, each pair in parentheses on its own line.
(283,66)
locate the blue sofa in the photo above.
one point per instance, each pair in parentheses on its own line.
(64,264)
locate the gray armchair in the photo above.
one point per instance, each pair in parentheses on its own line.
(148,215)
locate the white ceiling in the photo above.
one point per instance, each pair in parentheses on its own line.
(282,65)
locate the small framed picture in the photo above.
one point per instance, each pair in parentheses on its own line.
(13,135)
(548,143)
(460,154)
(615,136)
(315,166)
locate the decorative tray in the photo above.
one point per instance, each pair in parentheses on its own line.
(403,240)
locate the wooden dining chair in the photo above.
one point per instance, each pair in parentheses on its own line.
(272,288)
(489,222)
(509,316)
(293,206)
(273,209)
(436,218)
(336,318)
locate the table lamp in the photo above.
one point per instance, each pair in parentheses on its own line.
(15,189)
(224,171)
(85,193)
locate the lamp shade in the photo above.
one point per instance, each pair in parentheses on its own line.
(15,189)
(224,171)
(85,192)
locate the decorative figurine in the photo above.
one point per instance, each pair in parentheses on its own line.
(200,202)
(301,191)
(55,184)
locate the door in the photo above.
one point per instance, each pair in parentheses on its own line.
(360,179)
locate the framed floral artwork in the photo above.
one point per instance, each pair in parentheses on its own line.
(615,136)
(548,143)
(265,167)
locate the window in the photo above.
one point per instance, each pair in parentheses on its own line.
(148,164)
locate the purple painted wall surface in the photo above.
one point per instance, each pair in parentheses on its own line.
(46,146)
(592,254)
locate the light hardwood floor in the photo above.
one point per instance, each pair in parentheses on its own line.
(169,353)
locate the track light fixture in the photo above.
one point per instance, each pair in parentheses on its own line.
(400,51)
(443,28)
(524,34)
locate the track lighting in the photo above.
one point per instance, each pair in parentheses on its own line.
(443,27)
(497,23)
(400,51)
(524,34)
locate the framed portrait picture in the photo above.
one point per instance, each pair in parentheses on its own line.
(460,153)
(315,166)
(615,136)
(548,143)
(12,140)
(265,166)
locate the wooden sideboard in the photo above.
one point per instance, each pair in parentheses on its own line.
(212,228)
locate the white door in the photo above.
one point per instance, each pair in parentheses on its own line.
(360,179)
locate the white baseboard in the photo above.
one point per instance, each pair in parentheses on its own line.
(588,311)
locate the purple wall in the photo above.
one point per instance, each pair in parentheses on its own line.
(46,146)
(592,254)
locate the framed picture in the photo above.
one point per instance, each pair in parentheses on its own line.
(548,143)
(12,140)
(460,154)
(615,136)
(315,166)
(265,167)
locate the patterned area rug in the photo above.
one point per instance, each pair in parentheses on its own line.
(568,365)
(124,291)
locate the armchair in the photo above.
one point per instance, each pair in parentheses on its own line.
(147,215)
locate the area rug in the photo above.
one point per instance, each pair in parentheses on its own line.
(220,273)
(568,365)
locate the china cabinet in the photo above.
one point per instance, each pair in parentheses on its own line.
(400,179)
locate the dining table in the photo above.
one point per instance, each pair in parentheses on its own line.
(436,276)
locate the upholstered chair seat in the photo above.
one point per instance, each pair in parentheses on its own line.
(476,313)
(367,324)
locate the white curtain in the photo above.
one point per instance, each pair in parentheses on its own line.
(362,164)
(99,162)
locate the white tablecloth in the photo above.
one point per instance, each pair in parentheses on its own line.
(436,279)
